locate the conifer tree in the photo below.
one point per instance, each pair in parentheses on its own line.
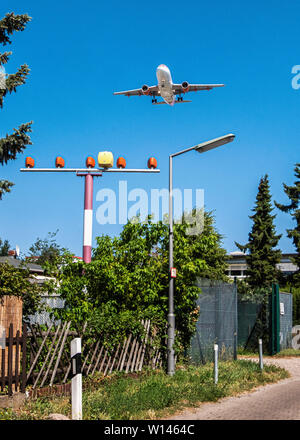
(14,143)
(262,257)
(293,193)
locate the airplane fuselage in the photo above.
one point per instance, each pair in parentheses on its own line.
(164,80)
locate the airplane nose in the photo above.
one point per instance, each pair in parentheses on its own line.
(163,67)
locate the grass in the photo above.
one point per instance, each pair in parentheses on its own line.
(152,394)
(287,353)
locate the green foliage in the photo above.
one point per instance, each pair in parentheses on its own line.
(16,142)
(4,248)
(12,23)
(128,278)
(47,252)
(262,257)
(19,282)
(293,193)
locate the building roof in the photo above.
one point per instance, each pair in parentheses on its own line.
(34,268)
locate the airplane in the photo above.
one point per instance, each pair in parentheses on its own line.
(167,89)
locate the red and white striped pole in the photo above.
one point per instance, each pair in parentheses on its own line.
(88,218)
(89,173)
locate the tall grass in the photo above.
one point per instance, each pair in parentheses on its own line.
(154,394)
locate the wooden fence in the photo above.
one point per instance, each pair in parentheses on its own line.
(40,356)
(13,362)
(50,354)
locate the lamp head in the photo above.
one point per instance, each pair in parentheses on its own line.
(206,146)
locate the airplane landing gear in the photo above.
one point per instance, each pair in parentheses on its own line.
(180,98)
(154,101)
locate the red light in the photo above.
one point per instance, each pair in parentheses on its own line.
(152,163)
(29,162)
(59,162)
(90,162)
(121,162)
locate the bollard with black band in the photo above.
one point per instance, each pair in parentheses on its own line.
(76,383)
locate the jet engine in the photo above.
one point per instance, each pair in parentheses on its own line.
(185,86)
(145,89)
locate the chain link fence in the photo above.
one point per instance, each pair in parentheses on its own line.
(217,322)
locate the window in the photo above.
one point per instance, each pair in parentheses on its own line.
(236,273)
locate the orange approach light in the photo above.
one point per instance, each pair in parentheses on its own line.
(29,162)
(90,162)
(121,162)
(152,163)
(59,162)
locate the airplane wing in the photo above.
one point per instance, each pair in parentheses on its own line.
(177,88)
(153,90)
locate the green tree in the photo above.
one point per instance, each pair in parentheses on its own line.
(14,143)
(20,282)
(293,193)
(262,256)
(47,252)
(4,248)
(128,277)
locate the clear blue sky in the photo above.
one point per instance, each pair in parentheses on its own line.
(80,52)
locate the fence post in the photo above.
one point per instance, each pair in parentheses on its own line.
(76,383)
(24,354)
(261,363)
(216,370)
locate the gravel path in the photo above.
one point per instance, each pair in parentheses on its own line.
(279,401)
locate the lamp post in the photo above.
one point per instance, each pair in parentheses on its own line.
(200,148)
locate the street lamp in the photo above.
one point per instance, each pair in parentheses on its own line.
(200,148)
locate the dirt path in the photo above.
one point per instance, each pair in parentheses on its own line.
(279,401)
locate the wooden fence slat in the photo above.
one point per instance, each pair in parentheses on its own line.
(34,346)
(3,368)
(39,352)
(10,359)
(103,360)
(60,353)
(47,356)
(140,348)
(137,346)
(114,358)
(92,359)
(17,358)
(107,365)
(97,360)
(53,355)
(130,356)
(144,345)
(125,352)
(24,353)
(121,354)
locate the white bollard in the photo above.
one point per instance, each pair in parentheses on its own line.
(76,383)
(261,363)
(216,370)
